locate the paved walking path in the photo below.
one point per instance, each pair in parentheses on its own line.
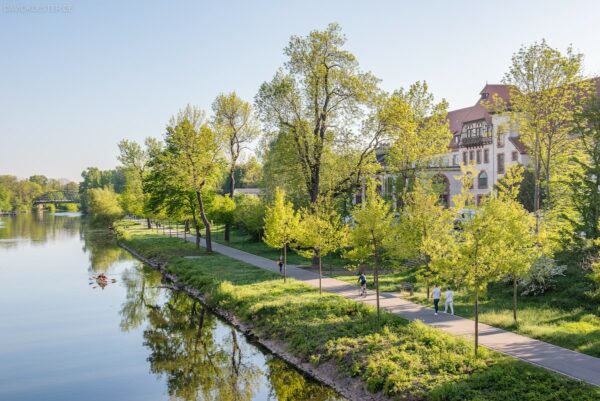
(570,363)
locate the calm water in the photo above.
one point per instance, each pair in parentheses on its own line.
(62,337)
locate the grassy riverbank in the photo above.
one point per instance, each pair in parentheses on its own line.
(404,360)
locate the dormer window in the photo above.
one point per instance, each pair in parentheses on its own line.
(484,95)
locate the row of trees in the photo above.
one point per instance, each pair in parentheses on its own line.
(324,124)
(18,195)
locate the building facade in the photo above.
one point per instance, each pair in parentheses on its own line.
(480,137)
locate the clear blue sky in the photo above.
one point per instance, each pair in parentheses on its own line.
(74,83)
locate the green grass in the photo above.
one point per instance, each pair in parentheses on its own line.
(568,316)
(408,361)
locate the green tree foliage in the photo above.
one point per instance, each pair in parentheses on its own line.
(104,206)
(96,178)
(423,222)
(249,173)
(135,159)
(585,181)
(547,90)
(372,234)
(249,215)
(222,209)
(316,102)
(281,225)
(236,126)
(5,199)
(416,129)
(320,232)
(193,157)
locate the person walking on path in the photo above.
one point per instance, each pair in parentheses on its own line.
(437,294)
(362,279)
(449,301)
(280,263)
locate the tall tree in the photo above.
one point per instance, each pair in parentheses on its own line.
(318,101)
(547,89)
(281,226)
(194,156)
(135,160)
(236,125)
(321,232)
(372,234)
(422,218)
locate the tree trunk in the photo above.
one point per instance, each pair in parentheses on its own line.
(206,222)
(231,193)
(197,227)
(536,192)
(148,223)
(320,275)
(476,320)
(284,262)
(515,297)
(376,279)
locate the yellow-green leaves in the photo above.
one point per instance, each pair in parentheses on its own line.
(373,227)
(321,230)
(281,222)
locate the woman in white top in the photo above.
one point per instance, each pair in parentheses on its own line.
(449,301)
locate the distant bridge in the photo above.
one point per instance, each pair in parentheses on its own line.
(58,197)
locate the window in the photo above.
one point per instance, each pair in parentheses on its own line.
(482,181)
(515,156)
(472,155)
(500,139)
(500,163)
(486,156)
(455,160)
(479,156)
(465,160)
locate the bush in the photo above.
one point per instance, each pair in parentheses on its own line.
(103,206)
(249,215)
(542,276)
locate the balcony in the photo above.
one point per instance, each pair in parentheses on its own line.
(474,141)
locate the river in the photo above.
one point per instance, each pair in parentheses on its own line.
(63,337)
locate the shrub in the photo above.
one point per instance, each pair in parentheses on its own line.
(249,215)
(103,206)
(542,276)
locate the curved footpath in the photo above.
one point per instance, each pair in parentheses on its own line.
(561,360)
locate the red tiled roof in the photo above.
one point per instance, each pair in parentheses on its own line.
(457,118)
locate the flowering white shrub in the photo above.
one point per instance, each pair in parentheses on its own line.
(542,276)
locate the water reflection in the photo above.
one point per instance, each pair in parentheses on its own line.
(37,228)
(102,249)
(134,341)
(201,357)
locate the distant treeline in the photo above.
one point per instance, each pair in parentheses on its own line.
(17,195)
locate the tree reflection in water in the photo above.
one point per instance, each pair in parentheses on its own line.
(200,357)
(181,339)
(288,385)
(141,283)
(102,248)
